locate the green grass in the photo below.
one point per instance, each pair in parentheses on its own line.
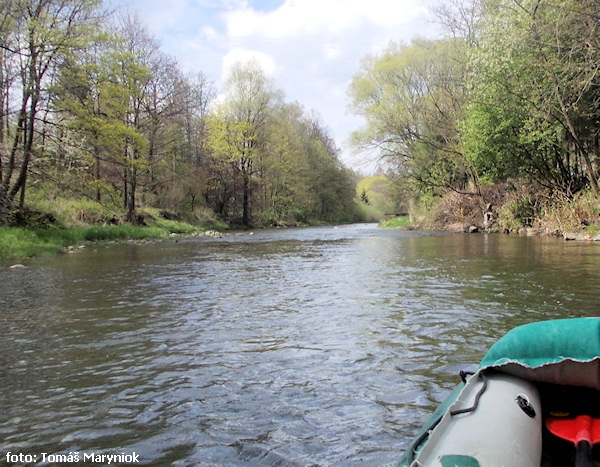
(53,223)
(122,232)
(23,243)
(396,223)
(18,243)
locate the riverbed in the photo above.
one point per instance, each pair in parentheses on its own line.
(315,346)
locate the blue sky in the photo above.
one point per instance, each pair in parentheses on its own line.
(312,48)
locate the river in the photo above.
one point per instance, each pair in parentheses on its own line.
(317,346)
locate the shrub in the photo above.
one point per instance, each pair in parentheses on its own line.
(580,213)
(518,213)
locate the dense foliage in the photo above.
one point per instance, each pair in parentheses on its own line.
(512,92)
(92,109)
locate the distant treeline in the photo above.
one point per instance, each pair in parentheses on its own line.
(92,108)
(512,92)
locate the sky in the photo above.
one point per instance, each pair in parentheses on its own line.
(311,48)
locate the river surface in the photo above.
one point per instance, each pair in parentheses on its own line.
(318,346)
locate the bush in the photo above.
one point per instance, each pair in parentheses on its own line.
(580,213)
(519,213)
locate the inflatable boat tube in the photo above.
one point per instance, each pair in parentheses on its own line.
(495,421)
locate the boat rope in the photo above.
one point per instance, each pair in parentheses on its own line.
(417,443)
(426,433)
(477,397)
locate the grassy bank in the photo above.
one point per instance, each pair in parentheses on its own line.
(52,225)
(16,243)
(401,222)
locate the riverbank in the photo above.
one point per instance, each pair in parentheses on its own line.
(401,222)
(511,208)
(54,225)
(20,242)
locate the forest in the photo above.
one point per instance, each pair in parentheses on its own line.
(99,126)
(494,123)
(500,116)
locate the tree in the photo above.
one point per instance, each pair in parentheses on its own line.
(333,186)
(89,103)
(135,58)
(411,97)
(283,168)
(534,105)
(38,33)
(7,67)
(249,98)
(566,39)
(105,115)
(194,97)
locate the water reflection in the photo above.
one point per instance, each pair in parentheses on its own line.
(299,347)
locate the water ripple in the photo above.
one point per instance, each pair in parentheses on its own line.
(287,348)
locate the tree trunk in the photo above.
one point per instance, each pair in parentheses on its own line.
(131,198)
(98,193)
(246,201)
(27,149)
(125,187)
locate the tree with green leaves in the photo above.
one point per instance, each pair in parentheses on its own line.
(137,52)
(89,104)
(36,35)
(411,97)
(534,103)
(283,168)
(235,135)
(511,93)
(333,186)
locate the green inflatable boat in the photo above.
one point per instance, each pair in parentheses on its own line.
(534,401)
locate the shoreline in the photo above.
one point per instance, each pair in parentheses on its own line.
(522,209)
(17,243)
(457,227)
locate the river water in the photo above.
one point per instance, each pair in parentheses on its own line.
(318,346)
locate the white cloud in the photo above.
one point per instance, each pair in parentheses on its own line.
(315,47)
(319,17)
(238,55)
(209,32)
(312,48)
